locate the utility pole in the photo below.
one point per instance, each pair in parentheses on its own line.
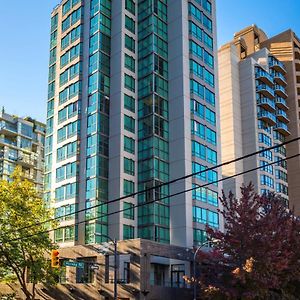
(207,243)
(115,243)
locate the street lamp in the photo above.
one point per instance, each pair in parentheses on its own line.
(115,263)
(207,243)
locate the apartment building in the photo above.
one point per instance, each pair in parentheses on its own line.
(132,104)
(254,113)
(286,47)
(22,144)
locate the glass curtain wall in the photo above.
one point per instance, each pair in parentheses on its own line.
(153,134)
(98,120)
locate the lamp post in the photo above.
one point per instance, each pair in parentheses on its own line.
(115,243)
(214,241)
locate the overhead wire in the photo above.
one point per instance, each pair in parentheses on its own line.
(155,200)
(160,185)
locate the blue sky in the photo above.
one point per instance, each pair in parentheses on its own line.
(24,32)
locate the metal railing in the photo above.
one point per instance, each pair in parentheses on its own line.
(261,73)
(266,114)
(170,284)
(265,87)
(265,100)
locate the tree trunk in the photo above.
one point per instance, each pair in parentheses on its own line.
(24,286)
(33,291)
(26,292)
(20,276)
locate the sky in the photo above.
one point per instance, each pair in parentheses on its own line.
(24,43)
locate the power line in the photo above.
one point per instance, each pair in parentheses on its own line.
(162,184)
(156,200)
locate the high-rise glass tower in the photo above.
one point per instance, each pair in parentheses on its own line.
(132,99)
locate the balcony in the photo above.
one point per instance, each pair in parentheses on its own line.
(297,53)
(27,175)
(265,90)
(280,91)
(170,284)
(267,117)
(8,141)
(266,103)
(263,76)
(282,128)
(7,129)
(26,161)
(276,65)
(281,103)
(282,116)
(279,78)
(298,76)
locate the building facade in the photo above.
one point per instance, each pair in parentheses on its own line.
(22,144)
(286,47)
(131,105)
(146,270)
(253,100)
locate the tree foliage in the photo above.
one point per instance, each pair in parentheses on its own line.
(26,258)
(257,257)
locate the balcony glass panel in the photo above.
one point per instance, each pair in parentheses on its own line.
(266,114)
(264,87)
(281,102)
(264,101)
(273,62)
(262,73)
(8,126)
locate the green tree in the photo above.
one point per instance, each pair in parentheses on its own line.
(24,253)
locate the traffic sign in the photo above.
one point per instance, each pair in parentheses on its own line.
(75,264)
(94,267)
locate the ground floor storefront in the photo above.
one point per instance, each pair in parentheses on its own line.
(145,270)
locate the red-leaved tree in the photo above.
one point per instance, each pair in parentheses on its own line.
(258,255)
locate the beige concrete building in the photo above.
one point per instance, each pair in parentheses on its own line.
(253,112)
(286,47)
(22,144)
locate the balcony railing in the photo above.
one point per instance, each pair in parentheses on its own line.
(265,90)
(8,141)
(280,90)
(267,117)
(266,103)
(27,175)
(24,160)
(282,128)
(263,76)
(172,284)
(276,64)
(8,129)
(282,116)
(281,102)
(278,77)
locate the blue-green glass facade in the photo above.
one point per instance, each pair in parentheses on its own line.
(153,128)
(97,139)
(203,118)
(111,125)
